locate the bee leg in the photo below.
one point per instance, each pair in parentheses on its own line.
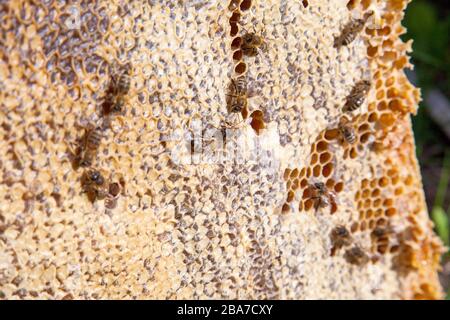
(333,251)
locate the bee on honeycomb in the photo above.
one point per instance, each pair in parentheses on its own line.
(340,237)
(356,256)
(252,43)
(347,131)
(88,146)
(351,31)
(357,96)
(94,184)
(322,196)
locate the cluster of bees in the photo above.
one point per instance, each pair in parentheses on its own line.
(237,97)
(238,90)
(341,238)
(237,102)
(322,196)
(93,180)
(239,93)
(360,90)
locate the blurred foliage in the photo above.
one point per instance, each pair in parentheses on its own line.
(428,24)
(438,213)
(431,46)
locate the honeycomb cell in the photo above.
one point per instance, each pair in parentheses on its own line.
(390,212)
(304,183)
(307,194)
(362,226)
(398,191)
(331,134)
(327,170)
(377,203)
(240,68)
(378,213)
(246,4)
(365,137)
(383,182)
(287,173)
(314,159)
(363,128)
(234,4)
(375,191)
(289,184)
(330,183)
(380,94)
(302,173)
(308,204)
(373,117)
(325,157)
(236,43)
(257,122)
(294,174)
(234,29)
(381,222)
(317,171)
(322,146)
(372,51)
(385,31)
(382,105)
(382,249)
(290,196)
(351,4)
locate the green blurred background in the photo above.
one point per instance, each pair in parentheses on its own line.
(428,24)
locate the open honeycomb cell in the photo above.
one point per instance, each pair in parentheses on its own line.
(174,224)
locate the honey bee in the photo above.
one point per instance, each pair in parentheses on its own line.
(89,146)
(120,84)
(238,96)
(346,130)
(340,237)
(351,31)
(381,233)
(356,256)
(113,104)
(252,43)
(94,184)
(322,196)
(357,96)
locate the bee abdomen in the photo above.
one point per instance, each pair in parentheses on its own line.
(349,38)
(124,84)
(93,140)
(348,134)
(86,161)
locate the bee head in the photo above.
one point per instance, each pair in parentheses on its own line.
(96,177)
(236,108)
(319,186)
(117,107)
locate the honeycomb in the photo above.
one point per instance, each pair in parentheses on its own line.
(246,217)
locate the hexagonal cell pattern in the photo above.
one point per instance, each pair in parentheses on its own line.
(164,221)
